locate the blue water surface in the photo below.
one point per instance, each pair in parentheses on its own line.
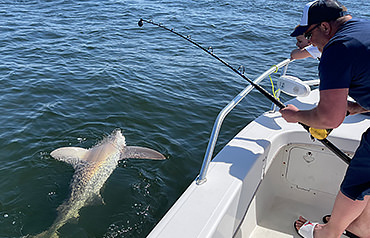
(73,71)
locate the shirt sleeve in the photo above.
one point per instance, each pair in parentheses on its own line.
(335,67)
(312,50)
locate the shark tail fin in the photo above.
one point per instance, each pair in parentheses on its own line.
(137,152)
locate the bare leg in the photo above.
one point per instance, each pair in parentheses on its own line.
(345,211)
(361,225)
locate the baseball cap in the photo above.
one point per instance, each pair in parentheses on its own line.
(319,11)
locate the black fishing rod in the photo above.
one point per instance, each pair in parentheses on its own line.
(210,52)
(319,134)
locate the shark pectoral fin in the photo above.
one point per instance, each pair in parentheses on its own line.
(137,152)
(70,155)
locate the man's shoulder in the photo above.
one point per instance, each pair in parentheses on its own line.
(354,32)
(355,26)
(359,20)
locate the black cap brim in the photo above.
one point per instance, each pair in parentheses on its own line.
(299,30)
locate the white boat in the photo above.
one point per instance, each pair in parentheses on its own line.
(268,175)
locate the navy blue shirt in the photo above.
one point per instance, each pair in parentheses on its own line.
(345,61)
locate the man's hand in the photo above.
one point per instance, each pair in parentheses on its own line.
(289,113)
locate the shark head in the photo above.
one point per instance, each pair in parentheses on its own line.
(134,152)
(118,139)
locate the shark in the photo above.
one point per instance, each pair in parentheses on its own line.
(92,168)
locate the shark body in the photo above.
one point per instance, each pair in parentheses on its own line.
(92,168)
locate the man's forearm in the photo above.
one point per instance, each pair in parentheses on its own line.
(355,108)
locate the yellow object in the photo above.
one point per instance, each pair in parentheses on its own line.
(272,84)
(320,134)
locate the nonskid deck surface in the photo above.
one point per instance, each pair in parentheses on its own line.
(279,223)
(293,187)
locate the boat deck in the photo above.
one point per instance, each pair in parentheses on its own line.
(302,180)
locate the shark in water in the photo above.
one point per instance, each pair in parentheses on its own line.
(92,168)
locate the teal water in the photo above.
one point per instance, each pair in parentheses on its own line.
(73,71)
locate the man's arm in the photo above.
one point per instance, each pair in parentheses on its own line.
(329,113)
(355,108)
(299,54)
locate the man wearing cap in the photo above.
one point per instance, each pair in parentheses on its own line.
(344,70)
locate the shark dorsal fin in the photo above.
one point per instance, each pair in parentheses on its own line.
(70,155)
(137,152)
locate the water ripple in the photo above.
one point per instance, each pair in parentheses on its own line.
(73,71)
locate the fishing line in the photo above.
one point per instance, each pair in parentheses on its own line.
(210,52)
(319,134)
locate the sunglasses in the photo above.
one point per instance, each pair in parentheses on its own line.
(308,35)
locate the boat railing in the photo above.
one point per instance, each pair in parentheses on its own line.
(225,111)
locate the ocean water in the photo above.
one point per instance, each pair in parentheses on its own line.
(73,71)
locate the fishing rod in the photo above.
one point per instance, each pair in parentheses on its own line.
(210,52)
(319,134)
